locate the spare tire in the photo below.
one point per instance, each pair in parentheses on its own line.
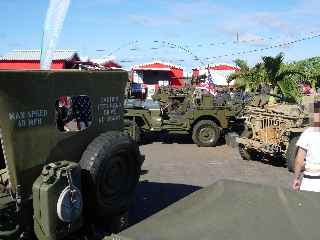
(111,169)
(291,153)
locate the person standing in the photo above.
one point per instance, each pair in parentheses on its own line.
(308,156)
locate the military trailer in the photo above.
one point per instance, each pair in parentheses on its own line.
(233,210)
(272,130)
(65,163)
(204,116)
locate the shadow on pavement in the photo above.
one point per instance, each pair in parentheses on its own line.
(152,197)
(275,161)
(169,138)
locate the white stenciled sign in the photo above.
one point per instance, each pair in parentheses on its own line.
(26,119)
(109,109)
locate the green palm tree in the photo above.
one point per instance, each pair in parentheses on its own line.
(279,77)
(310,68)
(247,78)
(283,79)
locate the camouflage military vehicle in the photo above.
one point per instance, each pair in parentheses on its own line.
(236,211)
(203,116)
(65,164)
(272,130)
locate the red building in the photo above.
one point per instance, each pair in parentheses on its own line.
(155,72)
(219,72)
(30,59)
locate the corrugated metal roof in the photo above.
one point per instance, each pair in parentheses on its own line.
(35,55)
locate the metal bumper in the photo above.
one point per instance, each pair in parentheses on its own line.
(260,146)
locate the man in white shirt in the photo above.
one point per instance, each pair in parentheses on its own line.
(308,156)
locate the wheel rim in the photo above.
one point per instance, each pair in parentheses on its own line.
(207,134)
(115,180)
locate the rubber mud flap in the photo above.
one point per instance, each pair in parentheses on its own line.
(111,168)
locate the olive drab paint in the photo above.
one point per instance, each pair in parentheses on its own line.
(28,117)
(49,221)
(180,111)
(30,138)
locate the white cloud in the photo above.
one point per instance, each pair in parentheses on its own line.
(152,21)
(177,13)
(269,19)
(252,38)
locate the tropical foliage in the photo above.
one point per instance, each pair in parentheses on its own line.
(311,69)
(281,78)
(247,78)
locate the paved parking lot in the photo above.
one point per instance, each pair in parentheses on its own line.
(177,167)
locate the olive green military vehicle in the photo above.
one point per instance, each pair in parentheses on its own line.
(236,211)
(65,163)
(204,116)
(272,130)
(172,96)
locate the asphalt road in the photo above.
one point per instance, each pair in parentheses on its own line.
(175,167)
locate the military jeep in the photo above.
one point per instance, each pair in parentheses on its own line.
(65,162)
(204,116)
(272,131)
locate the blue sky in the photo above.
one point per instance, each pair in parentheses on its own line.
(147,29)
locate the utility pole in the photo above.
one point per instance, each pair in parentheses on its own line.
(237,37)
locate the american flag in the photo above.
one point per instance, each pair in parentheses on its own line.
(82,110)
(208,85)
(209,78)
(138,88)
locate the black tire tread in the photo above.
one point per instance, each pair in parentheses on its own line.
(104,139)
(100,149)
(206,122)
(247,154)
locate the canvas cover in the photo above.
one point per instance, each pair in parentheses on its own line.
(235,211)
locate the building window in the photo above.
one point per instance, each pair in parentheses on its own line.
(73,113)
